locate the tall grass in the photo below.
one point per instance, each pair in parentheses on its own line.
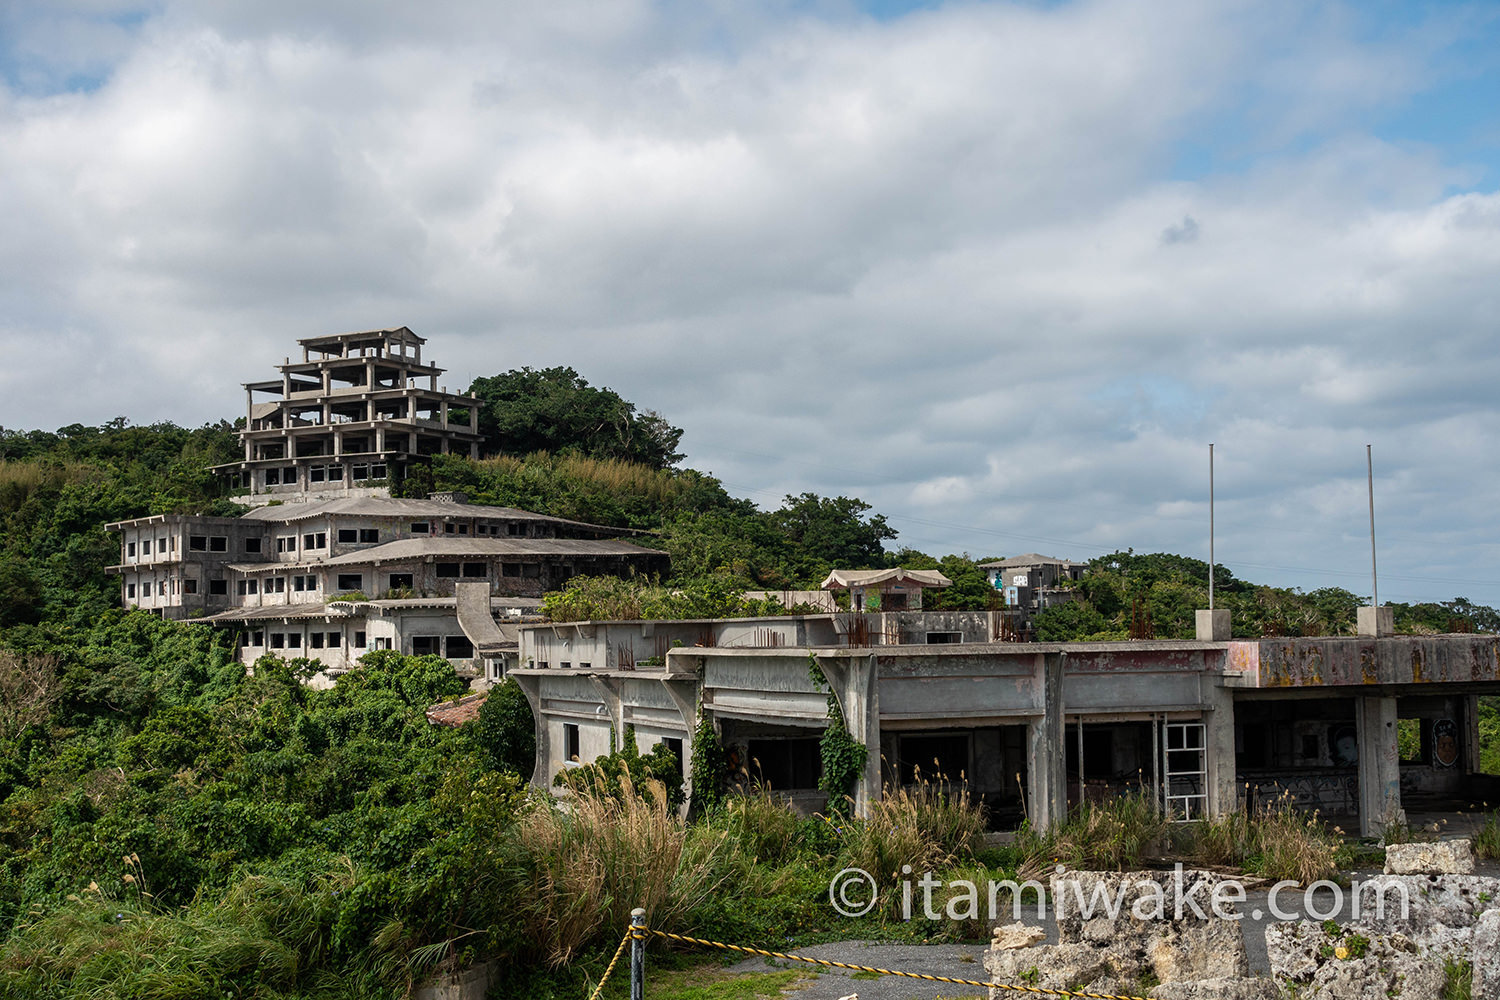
(928,825)
(614,475)
(1113,835)
(1487,838)
(1277,840)
(604,855)
(266,938)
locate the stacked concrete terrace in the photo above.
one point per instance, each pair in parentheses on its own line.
(350,415)
(1359,727)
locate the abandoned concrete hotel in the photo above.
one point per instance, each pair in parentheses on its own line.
(1205,726)
(326,565)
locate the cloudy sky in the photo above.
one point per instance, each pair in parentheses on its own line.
(1002,270)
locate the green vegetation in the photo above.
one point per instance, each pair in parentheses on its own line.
(555,409)
(1124,594)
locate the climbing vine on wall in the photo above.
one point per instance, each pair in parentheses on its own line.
(709,764)
(843,756)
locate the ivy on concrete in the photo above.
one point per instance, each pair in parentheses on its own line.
(843,756)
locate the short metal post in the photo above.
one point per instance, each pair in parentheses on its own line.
(637,954)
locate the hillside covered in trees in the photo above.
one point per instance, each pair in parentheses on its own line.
(172,826)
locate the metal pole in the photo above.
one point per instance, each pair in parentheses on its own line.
(1210,526)
(637,954)
(1374,576)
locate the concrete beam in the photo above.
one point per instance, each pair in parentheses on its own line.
(1379,765)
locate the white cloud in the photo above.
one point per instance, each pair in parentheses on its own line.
(942,262)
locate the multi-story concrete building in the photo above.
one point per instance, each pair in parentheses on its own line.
(329,579)
(352,415)
(329,565)
(1033,582)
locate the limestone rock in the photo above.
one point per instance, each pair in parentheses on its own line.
(1446,857)
(1228,988)
(1486,952)
(1052,966)
(1400,975)
(1017,935)
(1356,961)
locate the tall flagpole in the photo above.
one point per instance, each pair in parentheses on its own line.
(1210,526)
(1374,575)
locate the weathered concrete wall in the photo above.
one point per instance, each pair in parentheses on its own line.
(1362,660)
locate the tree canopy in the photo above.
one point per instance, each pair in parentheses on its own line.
(528,410)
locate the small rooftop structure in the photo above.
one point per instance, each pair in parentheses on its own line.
(456,713)
(897,589)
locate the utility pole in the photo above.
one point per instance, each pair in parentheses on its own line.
(1374,574)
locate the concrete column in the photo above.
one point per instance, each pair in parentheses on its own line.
(855,684)
(327,382)
(609,687)
(369,375)
(1212,626)
(1223,779)
(1379,765)
(541,774)
(411,407)
(684,694)
(379,438)
(443,413)
(1046,754)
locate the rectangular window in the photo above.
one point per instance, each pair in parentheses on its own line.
(315,640)
(294,640)
(218,588)
(473,570)
(130,590)
(281,545)
(315,474)
(278,640)
(424,645)
(130,549)
(382,644)
(515,528)
(510,569)
(189,586)
(369,534)
(297,582)
(448,529)
(252,545)
(531,569)
(447,570)
(934,638)
(257,638)
(273,478)
(197,543)
(361,472)
(320,540)
(351,581)
(239,588)
(253,586)
(460,648)
(463,529)
(161,545)
(419,528)
(307,541)
(348,535)
(278,584)
(570,740)
(400,581)
(377,472)
(218,543)
(359,640)
(333,640)
(289,476)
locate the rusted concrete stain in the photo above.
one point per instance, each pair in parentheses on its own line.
(1418,675)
